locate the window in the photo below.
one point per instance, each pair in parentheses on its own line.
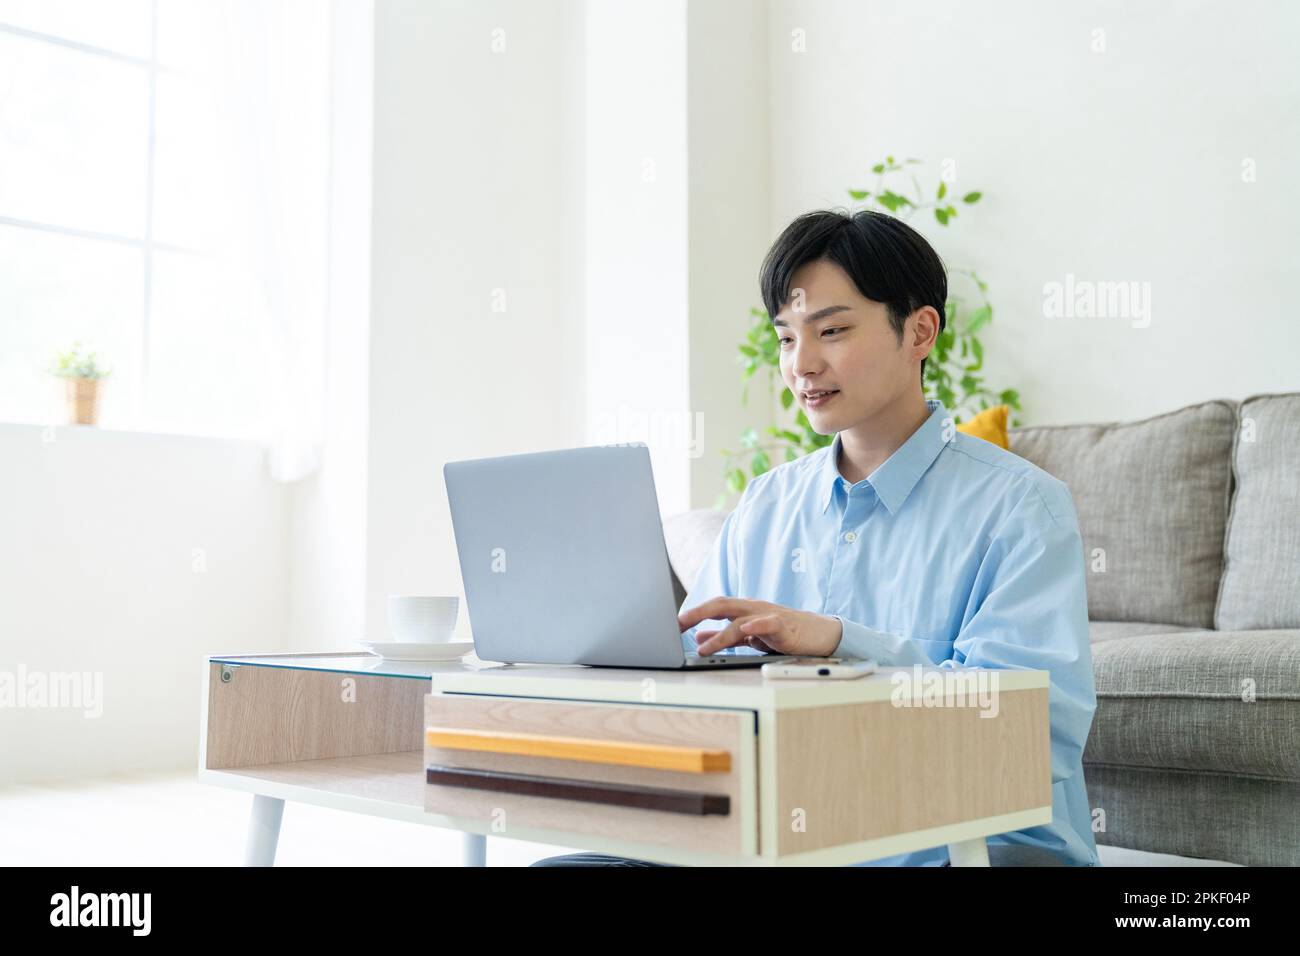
(164,184)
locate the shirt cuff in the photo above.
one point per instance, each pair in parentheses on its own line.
(889,650)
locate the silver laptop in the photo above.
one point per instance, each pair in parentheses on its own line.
(564,562)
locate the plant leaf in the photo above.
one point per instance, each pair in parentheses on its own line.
(978,319)
(892,200)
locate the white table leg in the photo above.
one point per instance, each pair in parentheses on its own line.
(473,849)
(969,852)
(263,831)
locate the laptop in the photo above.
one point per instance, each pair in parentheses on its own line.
(564,562)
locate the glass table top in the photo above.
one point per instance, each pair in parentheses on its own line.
(356,662)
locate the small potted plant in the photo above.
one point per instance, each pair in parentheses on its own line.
(83,378)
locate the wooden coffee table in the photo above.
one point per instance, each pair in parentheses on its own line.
(722,768)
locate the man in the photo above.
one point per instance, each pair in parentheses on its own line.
(904,540)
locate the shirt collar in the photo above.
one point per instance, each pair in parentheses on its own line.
(894,480)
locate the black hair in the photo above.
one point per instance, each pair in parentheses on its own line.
(888,260)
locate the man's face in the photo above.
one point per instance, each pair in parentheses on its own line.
(848,346)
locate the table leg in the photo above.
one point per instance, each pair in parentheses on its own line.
(473,849)
(263,831)
(969,852)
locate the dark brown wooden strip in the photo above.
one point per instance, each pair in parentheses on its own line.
(590,791)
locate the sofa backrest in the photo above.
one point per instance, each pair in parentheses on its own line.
(1152,498)
(1261,578)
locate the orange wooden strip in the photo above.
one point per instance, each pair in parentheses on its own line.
(626,753)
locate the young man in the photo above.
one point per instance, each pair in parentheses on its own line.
(904,540)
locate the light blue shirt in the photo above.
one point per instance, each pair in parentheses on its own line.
(952,552)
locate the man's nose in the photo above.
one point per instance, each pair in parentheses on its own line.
(806,361)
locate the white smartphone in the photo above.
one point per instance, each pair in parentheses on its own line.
(818,668)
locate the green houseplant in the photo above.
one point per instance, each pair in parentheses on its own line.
(83,382)
(951,372)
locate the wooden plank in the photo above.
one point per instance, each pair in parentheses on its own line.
(267,715)
(623,752)
(588,791)
(852,773)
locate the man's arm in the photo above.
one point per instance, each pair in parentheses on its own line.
(1031,612)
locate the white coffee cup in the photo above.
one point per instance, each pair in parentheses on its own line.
(417,619)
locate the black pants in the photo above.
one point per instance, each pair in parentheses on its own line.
(998,856)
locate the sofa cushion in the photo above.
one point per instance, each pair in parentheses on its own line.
(1110,630)
(1214,701)
(1261,577)
(989,425)
(1152,501)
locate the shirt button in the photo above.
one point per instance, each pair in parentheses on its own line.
(850,537)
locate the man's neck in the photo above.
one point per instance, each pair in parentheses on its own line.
(868,444)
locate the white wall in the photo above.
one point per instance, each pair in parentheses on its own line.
(327,536)
(730,216)
(131,556)
(1114,166)
(475,168)
(637,301)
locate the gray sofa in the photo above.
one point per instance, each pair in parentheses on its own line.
(1191,532)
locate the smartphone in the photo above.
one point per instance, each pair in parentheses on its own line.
(823,668)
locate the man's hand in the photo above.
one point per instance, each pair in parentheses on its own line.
(768,627)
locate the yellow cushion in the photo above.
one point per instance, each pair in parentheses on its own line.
(990,424)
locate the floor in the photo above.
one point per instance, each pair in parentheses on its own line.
(172,820)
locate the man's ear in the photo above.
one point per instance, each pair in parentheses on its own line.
(925,330)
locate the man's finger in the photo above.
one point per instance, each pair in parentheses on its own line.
(716,609)
(763,625)
(764,631)
(720,640)
(768,630)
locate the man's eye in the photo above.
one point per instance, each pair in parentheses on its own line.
(784,339)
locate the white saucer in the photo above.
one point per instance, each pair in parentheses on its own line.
(419,651)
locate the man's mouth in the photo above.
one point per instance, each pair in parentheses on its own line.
(820,397)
